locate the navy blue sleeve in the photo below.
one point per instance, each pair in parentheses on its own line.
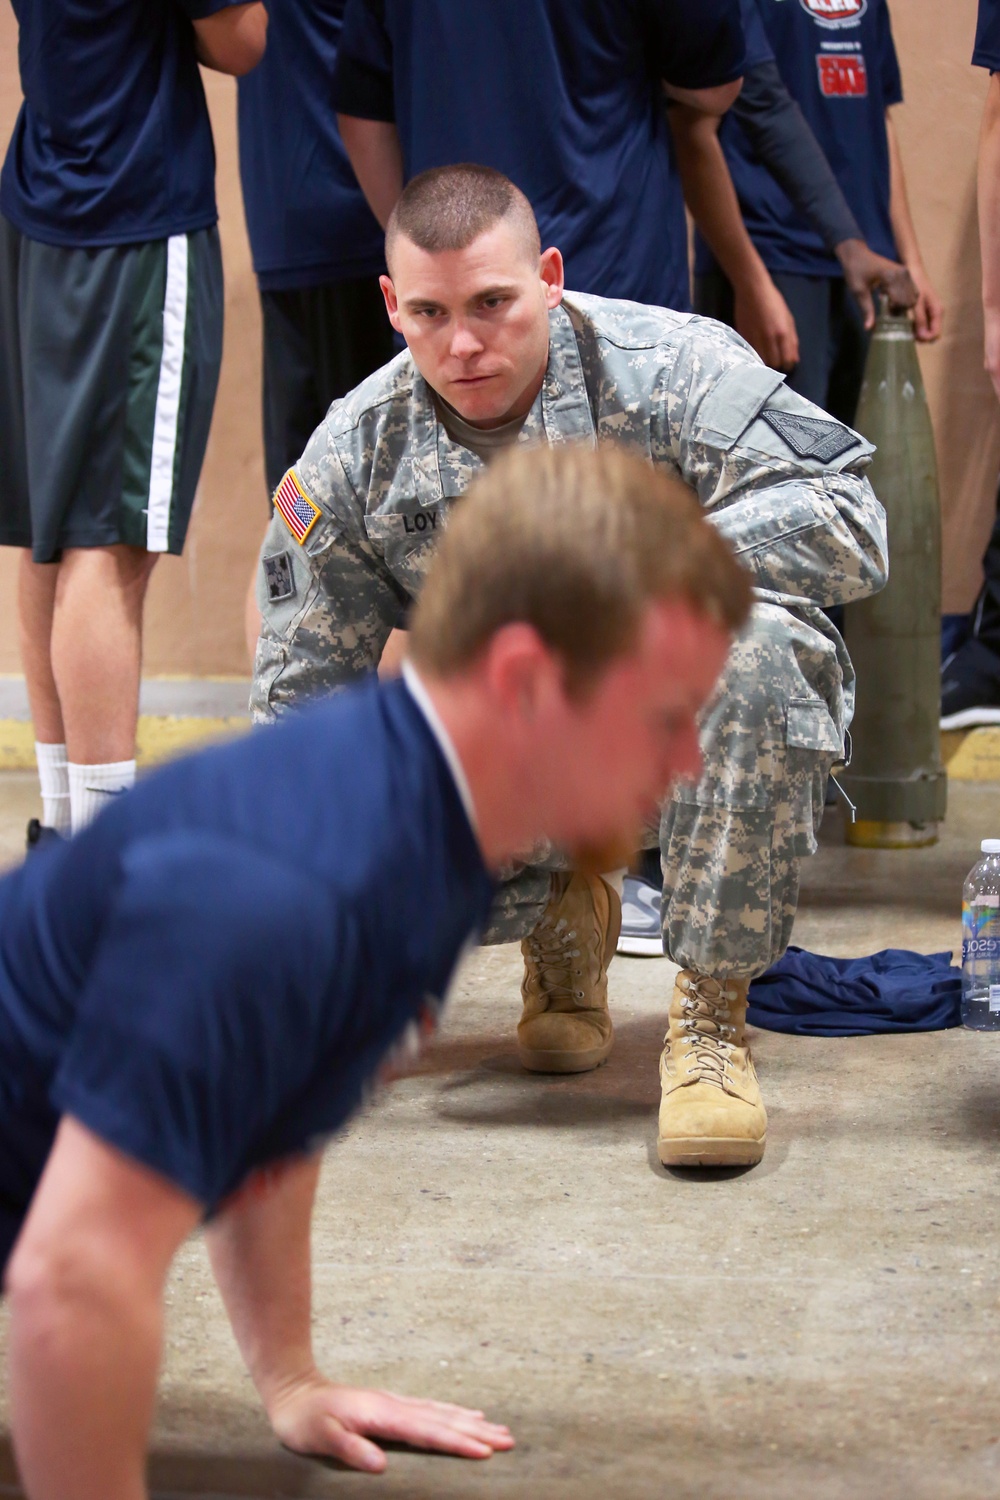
(759,49)
(362,78)
(780,136)
(696,46)
(986,52)
(207,1011)
(892,79)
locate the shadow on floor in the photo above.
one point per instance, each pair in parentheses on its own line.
(277,1476)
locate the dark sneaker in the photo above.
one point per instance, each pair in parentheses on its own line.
(38,836)
(970,687)
(641,935)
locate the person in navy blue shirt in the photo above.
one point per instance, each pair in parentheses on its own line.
(564,98)
(838,61)
(970,675)
(317,247)
(110,345)
(780,140)
(196,990)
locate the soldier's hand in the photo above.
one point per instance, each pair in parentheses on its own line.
(765,320)
(314,1416)
(865,273)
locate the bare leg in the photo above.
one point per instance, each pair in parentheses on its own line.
(96,649)
(36,593)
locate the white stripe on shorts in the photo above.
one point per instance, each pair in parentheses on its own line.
(168,396)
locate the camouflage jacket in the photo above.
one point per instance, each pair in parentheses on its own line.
(780,479)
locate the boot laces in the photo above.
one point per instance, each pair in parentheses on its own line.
(552,951)
(707,1029)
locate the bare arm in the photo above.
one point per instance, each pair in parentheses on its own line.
(762,315)
(86,1293)
(989,226)
(377,158)
(781,137)
(259,1246)
(927,311)
(232,40)
(714,101)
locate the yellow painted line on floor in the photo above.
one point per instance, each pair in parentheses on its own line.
(159,737)
(972,755)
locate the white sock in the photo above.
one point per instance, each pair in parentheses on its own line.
(91,788)
(53,777)
(616,880)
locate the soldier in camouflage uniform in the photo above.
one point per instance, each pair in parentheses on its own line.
(356,519)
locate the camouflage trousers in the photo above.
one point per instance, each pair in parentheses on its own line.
(730,846)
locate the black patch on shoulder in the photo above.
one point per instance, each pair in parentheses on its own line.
(809,437)
(278,577)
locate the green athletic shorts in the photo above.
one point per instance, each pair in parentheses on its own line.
(109,363)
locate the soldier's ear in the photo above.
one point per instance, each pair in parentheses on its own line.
(391,302)
(550,270)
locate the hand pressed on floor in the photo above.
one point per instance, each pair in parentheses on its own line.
(337,1421)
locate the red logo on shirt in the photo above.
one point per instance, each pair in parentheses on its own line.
(842,77)
(835,12)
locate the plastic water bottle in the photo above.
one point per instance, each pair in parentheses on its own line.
(981,942)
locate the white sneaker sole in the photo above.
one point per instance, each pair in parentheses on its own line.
(640,947)
(970,718)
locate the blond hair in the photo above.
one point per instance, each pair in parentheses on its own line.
(577,543)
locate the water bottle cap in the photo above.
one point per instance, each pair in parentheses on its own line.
(990,846)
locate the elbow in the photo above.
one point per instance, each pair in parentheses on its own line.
(870,544)
(239,68)
(712,101)
(233,41)
(247,51)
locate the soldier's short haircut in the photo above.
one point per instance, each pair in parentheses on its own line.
(578,543)
(446,208)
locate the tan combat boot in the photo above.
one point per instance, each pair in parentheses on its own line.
(711,1113)
(565,1026)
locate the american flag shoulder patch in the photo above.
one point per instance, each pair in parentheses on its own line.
(295,508)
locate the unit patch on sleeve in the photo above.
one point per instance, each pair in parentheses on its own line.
(809,437)
(278,577)
(295,508)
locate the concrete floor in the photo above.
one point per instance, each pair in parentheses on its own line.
(824,1325)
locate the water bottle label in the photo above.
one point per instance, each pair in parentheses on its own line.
(980,933)
(994,998)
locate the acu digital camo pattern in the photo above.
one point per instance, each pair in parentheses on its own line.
(689,394)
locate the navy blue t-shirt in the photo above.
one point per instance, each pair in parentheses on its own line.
(307,218)
(113,144)
(987,48)
(838,60)
(208,976)
(565,97)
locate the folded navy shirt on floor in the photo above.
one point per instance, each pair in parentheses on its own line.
(210,974)
(810,994)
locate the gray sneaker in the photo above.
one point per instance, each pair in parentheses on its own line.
(641,935)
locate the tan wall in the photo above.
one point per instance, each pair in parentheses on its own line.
(195,609)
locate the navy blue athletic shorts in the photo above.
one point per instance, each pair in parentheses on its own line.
(109,363)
